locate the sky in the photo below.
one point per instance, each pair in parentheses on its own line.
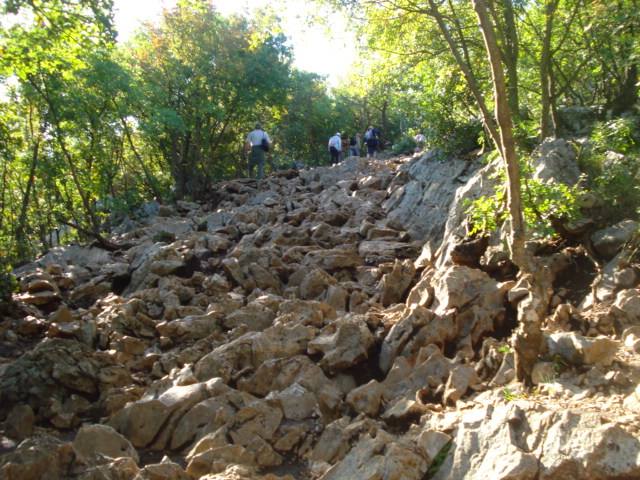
(314,50)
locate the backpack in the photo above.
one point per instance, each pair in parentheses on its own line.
(353,141)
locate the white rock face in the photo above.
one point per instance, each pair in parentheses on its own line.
(319,327)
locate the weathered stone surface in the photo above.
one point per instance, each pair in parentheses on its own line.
(505,430)
(153,418)
(344,343)
(587,446)
(165,470)
(19,422)
(366,398)
(296,402)
(191,327)
(579,350)
(54,369)
(94,440)
(555,161)
(409,335)
(41,457)
(254,348)
(609,241)
(121,468)
(279,374)
(394,284)
(379,457)
(306,324)
(462,287)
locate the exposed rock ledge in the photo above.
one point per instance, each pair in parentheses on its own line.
(312,326)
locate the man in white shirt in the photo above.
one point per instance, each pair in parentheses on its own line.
(254,151)
(335,147)
(420,140)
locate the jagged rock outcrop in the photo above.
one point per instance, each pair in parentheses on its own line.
(312,325)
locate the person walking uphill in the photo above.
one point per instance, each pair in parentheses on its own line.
(371,139)
(354,149)
(254,148)
(335,147)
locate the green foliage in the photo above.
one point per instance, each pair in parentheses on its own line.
(455,137)
(8,286)
(612,162)
(487,212)
(205,80)
(620,135)
(405,146)
(439,459)
(541,204)
(559,364)
(508,395)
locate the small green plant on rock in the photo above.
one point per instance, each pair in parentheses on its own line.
(440,458)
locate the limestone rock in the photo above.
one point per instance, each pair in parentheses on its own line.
(579,350)
(394,284)
(379,457)
(153,418)
(94,440)
(19,423)
(366,398)
(343,343)
(38,457)
(165,470)
(555,161)
(609,241)
(296,402)
(54,369)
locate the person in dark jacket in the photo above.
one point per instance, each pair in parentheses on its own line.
(371,140)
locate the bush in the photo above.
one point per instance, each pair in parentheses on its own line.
(612,162)
(8,286)
(405,146)
(618,135)
(541,204)
(455,138)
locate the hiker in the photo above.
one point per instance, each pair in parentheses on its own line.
(371,140)
(344,148)
(335,147)
(420,140)
(255,146)
(354,146)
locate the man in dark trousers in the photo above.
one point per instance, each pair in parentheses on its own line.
(254,151)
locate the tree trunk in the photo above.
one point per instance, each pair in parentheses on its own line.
(504,19)
(545,70)
(489,123)
(535,280)
(22,243)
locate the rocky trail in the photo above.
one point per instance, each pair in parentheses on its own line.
(322,323)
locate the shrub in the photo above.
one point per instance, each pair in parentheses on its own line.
(405,146)
(8,286)
(612,162)
(541,204)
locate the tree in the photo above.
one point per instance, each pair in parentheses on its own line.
(206,79)
(528,338)
(65,141)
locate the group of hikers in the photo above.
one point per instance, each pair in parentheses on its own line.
(338,145)
(257,144)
